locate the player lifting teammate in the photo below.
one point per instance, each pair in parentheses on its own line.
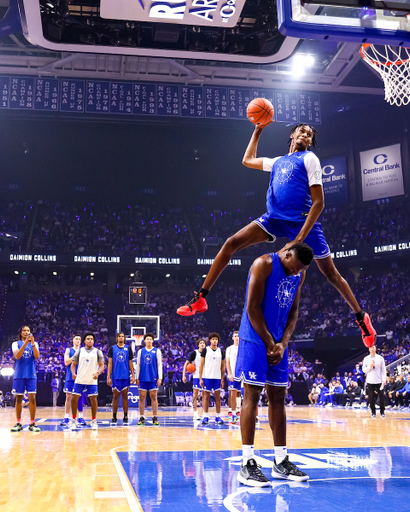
(268,321)
(195,358)
(118,376)
(294,202)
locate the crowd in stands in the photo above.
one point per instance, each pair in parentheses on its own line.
(54,317)
(155,229)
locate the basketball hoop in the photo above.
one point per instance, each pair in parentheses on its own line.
(139,338)
(393,65)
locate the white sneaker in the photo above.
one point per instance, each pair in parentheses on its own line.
(94,425)
(196,417)
(73,425)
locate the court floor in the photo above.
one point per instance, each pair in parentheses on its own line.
(354,463)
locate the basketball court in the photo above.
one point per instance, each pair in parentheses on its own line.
(353,461)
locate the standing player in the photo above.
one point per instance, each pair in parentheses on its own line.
(148,377)
(211,376)
(234,386)
(294,202)
(25,351)
(118,376)
(268,321)
(90,366)
(195,358)
(69,383)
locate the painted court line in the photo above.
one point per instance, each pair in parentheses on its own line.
(130,495)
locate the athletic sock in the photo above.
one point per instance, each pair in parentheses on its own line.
(18,420)
(359,316)
(238,403)
(74,416)
(125,415)
(94,418)
(248,452)
(204,292)
(114,415)
(229,410)
(280,453)
(67,415)
(32,421)
(80,414)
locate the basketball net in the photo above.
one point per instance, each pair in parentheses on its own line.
(393,65)
(138,339)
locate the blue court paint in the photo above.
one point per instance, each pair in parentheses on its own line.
(341,480)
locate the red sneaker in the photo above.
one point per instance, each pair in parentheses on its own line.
(369,334)
(196,305)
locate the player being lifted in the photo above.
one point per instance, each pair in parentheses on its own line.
(195,358)
(118,376)
(294,202)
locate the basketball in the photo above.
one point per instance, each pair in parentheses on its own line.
(260,111)
(190,368)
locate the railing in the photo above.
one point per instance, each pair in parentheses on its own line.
(392,366)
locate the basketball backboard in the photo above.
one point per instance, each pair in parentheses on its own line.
(361,21)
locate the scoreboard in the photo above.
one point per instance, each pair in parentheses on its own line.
(137,294)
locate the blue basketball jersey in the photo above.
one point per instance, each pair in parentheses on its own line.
(120,362)
(68,375)
(25,366)
(149,365)
(280,292)
(288,195)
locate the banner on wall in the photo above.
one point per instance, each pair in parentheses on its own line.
(382,173)
(334,178)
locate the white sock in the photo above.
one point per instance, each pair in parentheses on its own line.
(248,452)
(238,402)
(66,415)
(280,453)
(229,410)
(80,414)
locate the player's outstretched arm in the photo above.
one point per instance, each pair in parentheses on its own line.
(249,158)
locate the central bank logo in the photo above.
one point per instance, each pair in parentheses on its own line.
(284,171)
(327,170)
(286,291)
(380,159)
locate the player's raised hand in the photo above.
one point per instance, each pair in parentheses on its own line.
(289,245)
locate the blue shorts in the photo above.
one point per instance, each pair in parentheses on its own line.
(120,384)
(20,386)
(252,366)
(234,386)
(68,386)
(90,389)
(148,385)
(278,228)
(212,384)
(196,384)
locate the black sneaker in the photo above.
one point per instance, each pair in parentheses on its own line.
(155,421)
(251,475)
(288,471)
(114,422)
(34,428)
(125,421)
(18,427)
(141,421)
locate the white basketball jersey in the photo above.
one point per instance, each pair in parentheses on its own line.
(232,353)
(87,366)
(197,362)
(212,364)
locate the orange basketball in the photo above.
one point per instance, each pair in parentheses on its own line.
(190,367)
(260,111)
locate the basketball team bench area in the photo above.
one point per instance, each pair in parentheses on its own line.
(353,461)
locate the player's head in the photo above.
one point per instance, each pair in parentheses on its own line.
(213,338)
(148,339)
(24,331)
(76,340)
(372,350)
(235,338)
(296,259)
(302,136)
(89,339)
(201,344)
(120,338)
